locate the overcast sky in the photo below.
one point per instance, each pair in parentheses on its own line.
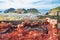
(39,4)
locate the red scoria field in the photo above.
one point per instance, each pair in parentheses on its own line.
(30,30)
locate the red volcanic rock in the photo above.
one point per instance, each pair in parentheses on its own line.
(59,34)
(3,26)
(26,23)
(21,32)
(34,35)
(35,24)
(53,31)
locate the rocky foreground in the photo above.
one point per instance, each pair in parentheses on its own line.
(30,30)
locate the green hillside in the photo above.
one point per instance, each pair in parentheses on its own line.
(54,11)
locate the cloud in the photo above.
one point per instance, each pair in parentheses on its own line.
(39,4)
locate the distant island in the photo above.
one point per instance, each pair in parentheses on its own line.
(21,10)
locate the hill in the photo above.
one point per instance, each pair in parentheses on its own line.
(10,10)
(21,10)
(32,10)
(54,11)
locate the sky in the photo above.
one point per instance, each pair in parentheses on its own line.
(42,5)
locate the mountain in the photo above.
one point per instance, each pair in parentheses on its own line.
(20,11)
(32,10)
(0,11)
(54,11)
(10,10)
